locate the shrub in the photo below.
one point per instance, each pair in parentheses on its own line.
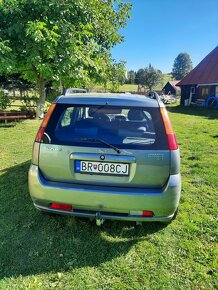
(5,101)
(28,103)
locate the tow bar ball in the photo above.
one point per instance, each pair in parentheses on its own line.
(99,220)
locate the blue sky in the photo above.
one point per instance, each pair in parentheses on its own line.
(159,30)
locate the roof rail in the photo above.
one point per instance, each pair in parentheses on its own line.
(71,91)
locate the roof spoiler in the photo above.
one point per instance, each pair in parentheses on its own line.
(71,91)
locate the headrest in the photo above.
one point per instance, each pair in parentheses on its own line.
(136,115)
(101,117)
(120,118)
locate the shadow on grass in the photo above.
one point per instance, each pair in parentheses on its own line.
(34,243)
(197,111)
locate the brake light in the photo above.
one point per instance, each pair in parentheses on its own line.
(147,213)
(45,123)
(171,137)
(61,206)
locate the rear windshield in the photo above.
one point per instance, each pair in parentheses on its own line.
(123,127)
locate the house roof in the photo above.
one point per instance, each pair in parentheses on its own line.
(206,72)
(173,84)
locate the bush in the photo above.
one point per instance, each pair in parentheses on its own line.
(28,103)
(5,101)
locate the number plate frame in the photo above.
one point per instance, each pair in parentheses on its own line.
(102,168)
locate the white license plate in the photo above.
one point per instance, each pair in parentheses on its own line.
(106,168)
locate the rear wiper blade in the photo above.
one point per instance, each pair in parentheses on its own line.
(101,141)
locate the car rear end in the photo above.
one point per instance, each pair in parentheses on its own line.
(106,157)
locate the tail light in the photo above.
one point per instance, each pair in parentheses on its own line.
(45,123)
(147,213)
(171,137)
(61,206)
(35,154)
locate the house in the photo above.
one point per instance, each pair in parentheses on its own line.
(171,89)
(202,81)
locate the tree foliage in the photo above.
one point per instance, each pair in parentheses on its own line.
(139,78)
(117,74)
(5,101)
(182,66)
(131,77)
(67,41)
(149,77)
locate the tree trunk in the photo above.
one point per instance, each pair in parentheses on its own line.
(14,94)
(21,93)
(61,87)
(41,102)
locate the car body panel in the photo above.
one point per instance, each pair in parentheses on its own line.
(147,168)
(163,202)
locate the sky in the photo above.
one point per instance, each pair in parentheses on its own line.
(159,30)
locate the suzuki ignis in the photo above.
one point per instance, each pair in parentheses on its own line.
(106,156)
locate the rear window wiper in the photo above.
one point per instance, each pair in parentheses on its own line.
(101,141)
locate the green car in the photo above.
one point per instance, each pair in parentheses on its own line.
(106,156)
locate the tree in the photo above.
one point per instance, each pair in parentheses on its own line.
(149,77)
(15,81)
(139,78)
(52,40)
(131,77)
(117,74)
(182,66)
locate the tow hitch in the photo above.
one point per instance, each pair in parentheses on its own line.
(99,220)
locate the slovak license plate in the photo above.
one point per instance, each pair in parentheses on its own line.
(106,168)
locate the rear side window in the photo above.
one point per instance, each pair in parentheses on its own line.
(66,119)
(123,127)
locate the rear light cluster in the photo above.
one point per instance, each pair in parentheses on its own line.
(145,213)
(171,137)
(35,153)
(45,123)
(61,206)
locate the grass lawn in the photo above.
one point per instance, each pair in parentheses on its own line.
(38,251)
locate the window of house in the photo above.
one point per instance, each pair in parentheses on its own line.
(193,90)
(204,92)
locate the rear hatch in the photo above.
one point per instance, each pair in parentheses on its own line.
(122,146)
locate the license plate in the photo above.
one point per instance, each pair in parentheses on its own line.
(106,168)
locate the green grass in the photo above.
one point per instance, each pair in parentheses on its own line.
(128,88)
(39,251)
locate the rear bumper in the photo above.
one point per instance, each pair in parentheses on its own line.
(111,202)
